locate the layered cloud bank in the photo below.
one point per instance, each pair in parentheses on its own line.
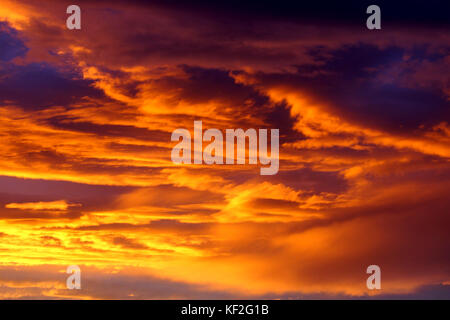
(86,175)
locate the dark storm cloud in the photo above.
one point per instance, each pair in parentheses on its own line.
(353,78)
(358,82)
(45,86)
(10,45)
(279,116)
(432,12)
(205,84)
(427,292)
(37,86)
(306,179)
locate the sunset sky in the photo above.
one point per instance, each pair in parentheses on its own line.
(86,176)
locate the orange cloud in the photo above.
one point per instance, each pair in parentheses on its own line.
(41,205)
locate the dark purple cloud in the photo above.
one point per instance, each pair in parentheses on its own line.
(348,12)
(45,86)
(11,46)
(358,83)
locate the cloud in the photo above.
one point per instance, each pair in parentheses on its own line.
(11,45)
(45,85)
(49,205)
(128,243)
(87,179)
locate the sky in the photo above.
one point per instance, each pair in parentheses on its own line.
(86,176)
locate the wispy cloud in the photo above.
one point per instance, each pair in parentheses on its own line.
(47,205)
